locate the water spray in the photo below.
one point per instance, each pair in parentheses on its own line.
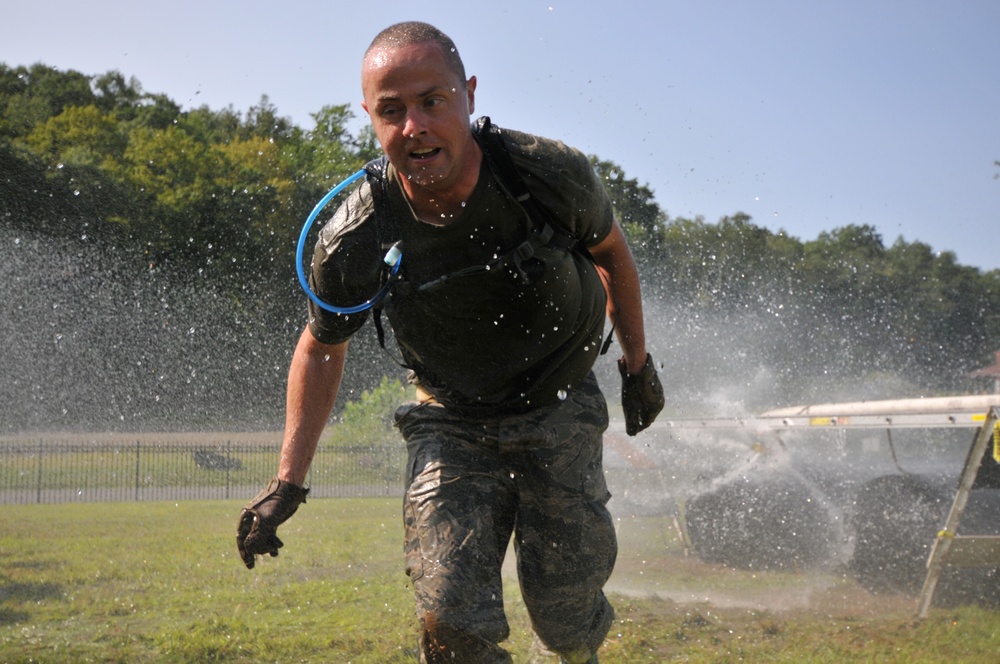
(392,259)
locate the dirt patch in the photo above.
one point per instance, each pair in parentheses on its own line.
(716,587)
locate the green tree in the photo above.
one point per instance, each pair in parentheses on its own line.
(369,420)
(258,191)
(82,148)
(333,151)
(328,153)
(263,121)
(80,135)
(115,93)
(635,206)
(212,126)
(174,177)
(31,95)
(156,111)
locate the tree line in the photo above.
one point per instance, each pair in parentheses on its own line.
(194,187)
(843,310)
(219,195)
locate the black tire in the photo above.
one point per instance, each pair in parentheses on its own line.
(767,524)
(895,521)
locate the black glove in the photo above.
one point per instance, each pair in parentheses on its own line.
(642,395)
(259,520)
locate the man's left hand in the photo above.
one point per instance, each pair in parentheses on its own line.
(642,395)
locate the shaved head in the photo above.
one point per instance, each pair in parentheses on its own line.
(416,32)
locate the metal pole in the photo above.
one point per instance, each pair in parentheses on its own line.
(137,470)
(38,487)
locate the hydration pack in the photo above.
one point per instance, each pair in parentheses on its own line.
(519,263)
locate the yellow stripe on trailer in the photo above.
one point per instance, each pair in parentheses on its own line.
(996,442)
(829,421)
(996,436)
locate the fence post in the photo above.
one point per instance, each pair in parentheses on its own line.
(38,486)
(229,462)
(137,471)
(389,467)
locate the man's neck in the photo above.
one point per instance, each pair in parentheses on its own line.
(441,207)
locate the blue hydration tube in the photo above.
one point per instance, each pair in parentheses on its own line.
(392,259)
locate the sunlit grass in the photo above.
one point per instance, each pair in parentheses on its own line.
(162,582)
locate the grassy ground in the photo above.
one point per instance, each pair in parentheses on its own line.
(161,582)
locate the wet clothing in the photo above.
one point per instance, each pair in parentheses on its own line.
(482,342)
(474,481)
(509,441)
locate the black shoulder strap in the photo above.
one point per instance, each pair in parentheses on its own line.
(387,230)
(490,139)
(377,173)
(547,229)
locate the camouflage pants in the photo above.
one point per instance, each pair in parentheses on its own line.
(473,482)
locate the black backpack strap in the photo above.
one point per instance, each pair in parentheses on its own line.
(490,139)
(377,173)
(387,231)
(547,229)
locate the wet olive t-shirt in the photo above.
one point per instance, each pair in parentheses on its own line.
(478,340)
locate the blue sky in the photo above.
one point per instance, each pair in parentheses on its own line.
(806,115)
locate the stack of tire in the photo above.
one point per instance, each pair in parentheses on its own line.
(775,522)
(895,521)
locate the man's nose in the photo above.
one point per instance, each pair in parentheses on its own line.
(416,123)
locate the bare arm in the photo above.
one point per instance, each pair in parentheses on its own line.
(313,382)
(621,279)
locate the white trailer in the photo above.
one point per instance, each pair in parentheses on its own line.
(981,413)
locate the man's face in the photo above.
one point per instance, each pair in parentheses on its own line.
(419,108)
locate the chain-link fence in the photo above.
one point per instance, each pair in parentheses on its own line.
(73,469)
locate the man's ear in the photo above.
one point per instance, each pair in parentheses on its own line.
(470,88)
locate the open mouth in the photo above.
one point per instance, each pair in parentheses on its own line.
(424,154)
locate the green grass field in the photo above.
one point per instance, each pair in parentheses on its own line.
(162,582)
